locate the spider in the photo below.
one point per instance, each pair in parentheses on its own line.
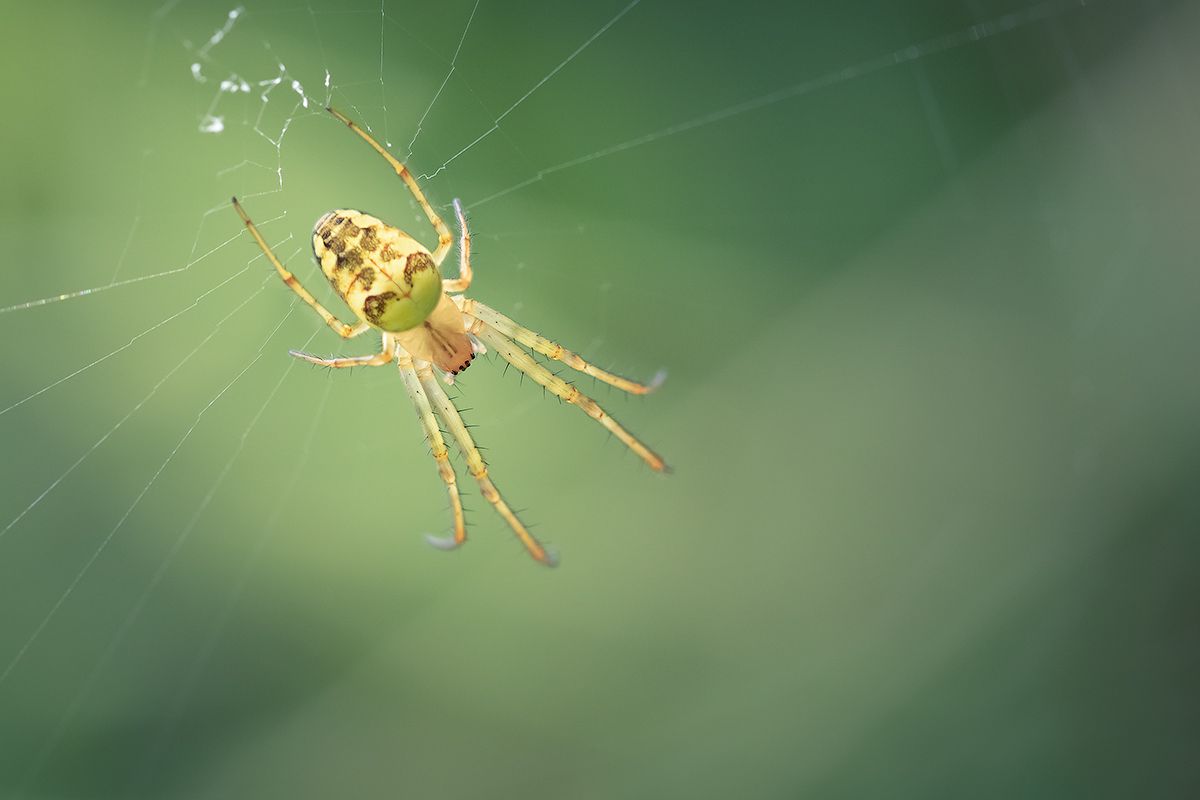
(428,325)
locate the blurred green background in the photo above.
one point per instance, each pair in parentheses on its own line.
(930,329)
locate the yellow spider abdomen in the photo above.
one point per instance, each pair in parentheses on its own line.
(389,280)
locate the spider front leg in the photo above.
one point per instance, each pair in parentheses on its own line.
(565,391)
(437,448)
(466,445)
(345,330)
(551,349)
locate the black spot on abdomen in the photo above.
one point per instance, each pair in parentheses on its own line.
(417,262)
(376,304)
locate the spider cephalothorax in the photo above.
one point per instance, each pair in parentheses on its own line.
(393,286)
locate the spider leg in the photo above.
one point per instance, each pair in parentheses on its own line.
(437,446)
(444,238)
(343,329)
(376,360)
(463,281)
(449,414)
(540,344)
(565,391)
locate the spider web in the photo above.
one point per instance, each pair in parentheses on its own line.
(175,493)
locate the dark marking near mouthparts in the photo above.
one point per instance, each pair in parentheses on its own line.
(464,365)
